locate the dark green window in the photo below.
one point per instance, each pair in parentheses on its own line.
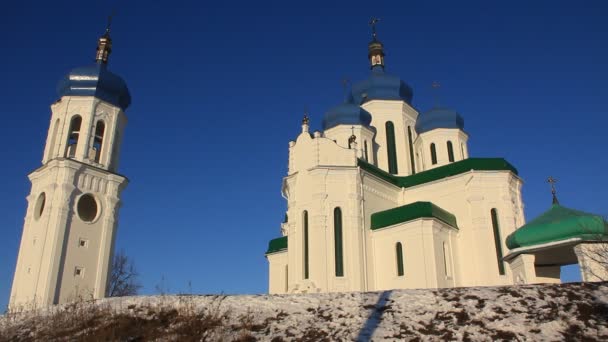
(305,224)
(365,149)
(497,242)
(433,154)
(390,147)
(399,252)
(339,254)
(411,143)
(450,152)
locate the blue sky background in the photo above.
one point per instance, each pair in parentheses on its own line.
(219,88)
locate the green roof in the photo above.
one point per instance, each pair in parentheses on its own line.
(277,245)
(410,212)
(559,223)
(452,169)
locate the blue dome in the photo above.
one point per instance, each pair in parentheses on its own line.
(381,86)
(439,117)
(96,80)
(346,114)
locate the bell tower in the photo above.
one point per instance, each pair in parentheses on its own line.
(71,219)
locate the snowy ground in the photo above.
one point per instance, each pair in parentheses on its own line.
(534,313)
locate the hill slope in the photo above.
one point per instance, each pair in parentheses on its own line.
(534,312)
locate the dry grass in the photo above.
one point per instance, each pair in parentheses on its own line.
(88,320)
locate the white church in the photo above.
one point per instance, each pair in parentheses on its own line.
(383,198)
(386,197)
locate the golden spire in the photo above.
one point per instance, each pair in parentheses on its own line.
(104,45)
(375,47)
(552,181)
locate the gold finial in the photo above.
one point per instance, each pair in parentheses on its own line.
(373,23)
(552,181)
(104,44)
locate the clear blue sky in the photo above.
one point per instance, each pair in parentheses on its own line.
(219,88)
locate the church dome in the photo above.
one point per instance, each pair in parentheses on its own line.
(381,86)
(558,224)
(96,80)
(346,114)
(439,117)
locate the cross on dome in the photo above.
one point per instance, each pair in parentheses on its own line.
(552,181)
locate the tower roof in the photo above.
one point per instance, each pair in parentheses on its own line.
(346,114)
(96,80)
(559,223)
(439,117)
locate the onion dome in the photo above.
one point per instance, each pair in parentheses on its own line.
(346,114)
(439,117)
(558,224)
(381,86)
(96,80)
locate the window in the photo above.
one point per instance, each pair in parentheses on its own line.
(399,254)
(411,143)
(286,278)
(497,242)
(390,147)
(365,150)
(462,150)
(39,208)
(73,136)
(79,272)
(450,152)
(83,243)
(446,260)
(87,208)
(433,154)
(305,230)
(98,140)
(338,247)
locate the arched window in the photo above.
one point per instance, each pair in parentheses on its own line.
(98,139)
(446,260)
(450,152)
(433,154)
(305,230)
(390,147)
(74,134)
(411,143)
(497,242)
(365,150)
(399,254)
(339,254)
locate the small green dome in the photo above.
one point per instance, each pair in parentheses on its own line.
(559,223)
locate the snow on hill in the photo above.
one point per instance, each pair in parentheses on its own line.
(534,312)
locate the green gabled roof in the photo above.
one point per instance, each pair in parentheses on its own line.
(277,245)
(452,169)
(559,223)
(410,212)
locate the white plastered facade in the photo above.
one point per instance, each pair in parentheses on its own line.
(324,175)
(63,256)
